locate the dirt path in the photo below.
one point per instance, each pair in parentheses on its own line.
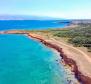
(83,60)
(85,55)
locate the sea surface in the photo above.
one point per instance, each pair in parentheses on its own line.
(27,61)
(32,24)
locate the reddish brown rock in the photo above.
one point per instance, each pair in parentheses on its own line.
(68,61)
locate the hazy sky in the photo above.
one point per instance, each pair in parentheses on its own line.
(53,8)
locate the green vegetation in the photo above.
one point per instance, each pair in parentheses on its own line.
(80,36)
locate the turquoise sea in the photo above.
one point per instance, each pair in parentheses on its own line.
(26,61)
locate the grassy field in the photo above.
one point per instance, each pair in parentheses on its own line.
(79,36)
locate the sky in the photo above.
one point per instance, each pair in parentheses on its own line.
(74,9)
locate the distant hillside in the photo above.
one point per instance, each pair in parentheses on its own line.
(18,17)
(81,21)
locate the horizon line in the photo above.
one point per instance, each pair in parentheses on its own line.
(43,16)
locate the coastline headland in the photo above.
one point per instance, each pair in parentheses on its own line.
(79,74)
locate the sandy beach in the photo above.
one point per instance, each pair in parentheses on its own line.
(76,58)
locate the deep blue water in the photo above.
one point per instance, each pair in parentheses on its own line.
(26,61)
(31,24)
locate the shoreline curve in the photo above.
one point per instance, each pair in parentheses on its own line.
(68,61)
(83,79)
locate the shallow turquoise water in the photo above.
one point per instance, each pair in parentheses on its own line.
(26,61)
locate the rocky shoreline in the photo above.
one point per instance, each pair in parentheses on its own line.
(68,61)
